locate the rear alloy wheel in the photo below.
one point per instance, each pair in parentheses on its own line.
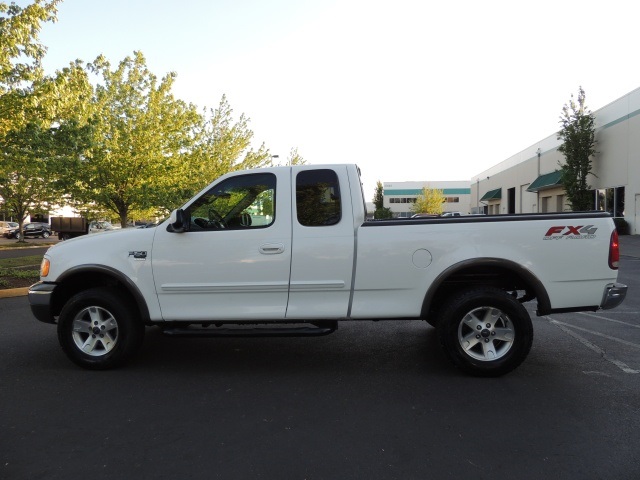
(98,330)
(45,234)
(486,334)
(485,331)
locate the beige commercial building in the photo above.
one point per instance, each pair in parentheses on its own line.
(400,196)
(529,182)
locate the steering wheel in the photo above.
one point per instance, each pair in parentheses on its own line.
(201,222)
(205,224)
(215,216)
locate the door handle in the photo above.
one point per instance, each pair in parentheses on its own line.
(271,248)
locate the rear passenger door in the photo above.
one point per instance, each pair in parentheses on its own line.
(323,244)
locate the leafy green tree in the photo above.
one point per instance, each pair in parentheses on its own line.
(23,171)
(140,133)
(378,195)
(222,144)
(294,158)
(20,51)
(381,212)
(578,134)
(35,128)
(20,58)
(31,157)
(429,201)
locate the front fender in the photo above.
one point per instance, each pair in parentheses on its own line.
(86,276)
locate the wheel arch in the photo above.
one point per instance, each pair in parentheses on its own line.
(498,272)
(84,277)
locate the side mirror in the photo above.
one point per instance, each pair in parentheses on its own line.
(178,221)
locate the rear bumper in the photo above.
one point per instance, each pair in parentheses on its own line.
(40,295)
(614,294)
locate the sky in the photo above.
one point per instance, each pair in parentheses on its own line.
(410,90)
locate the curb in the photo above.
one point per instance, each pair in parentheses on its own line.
(27,247)
(14,292)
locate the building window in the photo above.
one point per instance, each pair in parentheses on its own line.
(610,200)
(403,200)
(452,200)
(618,210)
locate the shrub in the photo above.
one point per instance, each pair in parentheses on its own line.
(621,225)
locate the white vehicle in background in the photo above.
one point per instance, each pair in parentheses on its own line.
(100,226)
(7,229)
(288,251)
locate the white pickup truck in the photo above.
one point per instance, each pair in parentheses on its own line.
(288,251)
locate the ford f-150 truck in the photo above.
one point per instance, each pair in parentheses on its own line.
(288,251)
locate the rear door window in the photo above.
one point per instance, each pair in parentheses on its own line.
(318,198)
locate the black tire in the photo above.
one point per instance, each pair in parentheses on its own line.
(105,323)
(45,234)
(485,331)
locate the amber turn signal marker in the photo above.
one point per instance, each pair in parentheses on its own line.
(44,267)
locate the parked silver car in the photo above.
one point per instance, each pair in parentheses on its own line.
(7,229)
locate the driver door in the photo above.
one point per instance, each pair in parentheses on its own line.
(234,260)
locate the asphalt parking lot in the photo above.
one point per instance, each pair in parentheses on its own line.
(373,400)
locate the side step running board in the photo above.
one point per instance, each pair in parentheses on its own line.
(270,331)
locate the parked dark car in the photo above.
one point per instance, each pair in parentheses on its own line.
(33,230)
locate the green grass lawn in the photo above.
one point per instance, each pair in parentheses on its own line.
(19,272)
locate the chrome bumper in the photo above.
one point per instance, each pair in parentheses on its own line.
(40,295)
(614,294)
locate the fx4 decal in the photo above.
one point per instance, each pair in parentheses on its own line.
(571,232)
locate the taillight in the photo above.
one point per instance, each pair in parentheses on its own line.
(614,251)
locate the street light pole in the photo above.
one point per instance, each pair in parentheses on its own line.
(539,152)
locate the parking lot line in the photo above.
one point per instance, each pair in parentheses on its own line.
(561,325)
(610,319)
(592,332)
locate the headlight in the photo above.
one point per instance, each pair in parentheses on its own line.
(44,267)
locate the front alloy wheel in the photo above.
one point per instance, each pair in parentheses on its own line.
(95,331)
(100,328)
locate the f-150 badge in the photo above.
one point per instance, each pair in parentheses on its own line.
(138,255)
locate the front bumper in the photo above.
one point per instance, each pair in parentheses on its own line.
(614,294)
(40,296)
